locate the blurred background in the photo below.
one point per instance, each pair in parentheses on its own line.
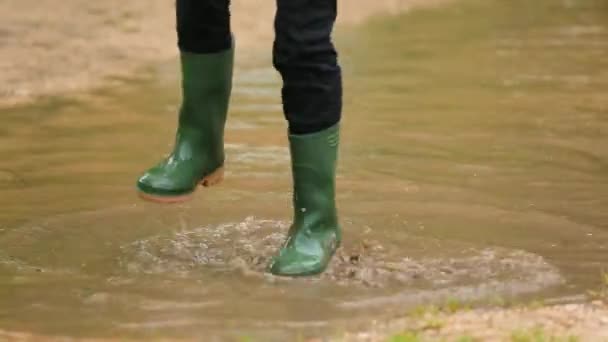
(474,169)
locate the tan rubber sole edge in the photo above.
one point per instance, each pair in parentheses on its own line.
(214,178)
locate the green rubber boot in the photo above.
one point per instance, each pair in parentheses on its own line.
(198,155)
(315,233)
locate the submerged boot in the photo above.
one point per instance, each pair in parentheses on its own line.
(315,233)
(198,155)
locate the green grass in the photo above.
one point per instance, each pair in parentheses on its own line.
(432,323)
(424,310)
(405,337)
(414,337)
(602,292)
(532,335)
(465,339)
(539,335)
(451,305)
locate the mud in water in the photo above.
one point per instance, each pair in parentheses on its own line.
(249,245)
(472,168)
(159,283)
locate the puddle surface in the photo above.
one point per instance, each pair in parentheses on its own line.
(474,165)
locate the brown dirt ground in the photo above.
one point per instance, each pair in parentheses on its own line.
(50,47)
(558,323)
(555,323)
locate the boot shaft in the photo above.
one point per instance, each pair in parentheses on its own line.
(206,89)
(206,86)
(314,158)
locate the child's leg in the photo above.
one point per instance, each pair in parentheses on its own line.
(206,56)
(312,101)
(203,26)
(307,60)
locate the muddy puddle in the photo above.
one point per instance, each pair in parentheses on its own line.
(474,167)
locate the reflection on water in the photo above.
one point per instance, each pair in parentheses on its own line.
(474,165)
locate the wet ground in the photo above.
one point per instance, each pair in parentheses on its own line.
(474,166)
(45,54)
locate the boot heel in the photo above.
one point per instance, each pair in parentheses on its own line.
(213,178)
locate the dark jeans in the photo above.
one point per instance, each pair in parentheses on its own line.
(303,54)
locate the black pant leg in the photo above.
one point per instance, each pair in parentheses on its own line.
(203,26)
(307,60)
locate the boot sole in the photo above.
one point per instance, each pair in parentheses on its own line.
(214,178)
